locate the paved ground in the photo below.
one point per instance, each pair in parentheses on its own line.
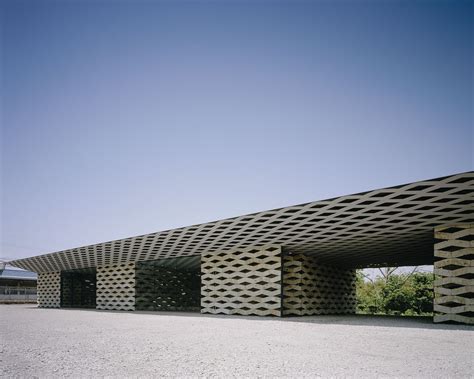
(88,343)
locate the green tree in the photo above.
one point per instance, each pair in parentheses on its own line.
(398,295)
(423,292)
(395,294)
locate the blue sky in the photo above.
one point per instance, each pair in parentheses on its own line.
(122,118)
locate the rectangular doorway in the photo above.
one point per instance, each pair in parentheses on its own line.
(172,284)
(78,288)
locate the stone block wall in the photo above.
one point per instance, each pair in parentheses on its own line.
(310,288)
(116,287)
(252,281)
(454,273)
(242,282)
(49,290)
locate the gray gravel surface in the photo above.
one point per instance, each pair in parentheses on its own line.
(87,343)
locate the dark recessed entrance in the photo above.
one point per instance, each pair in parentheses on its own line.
(78,288)
(169,284)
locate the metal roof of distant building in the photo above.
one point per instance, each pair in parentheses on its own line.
(18,274)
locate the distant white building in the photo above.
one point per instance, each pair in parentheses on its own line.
(17,286)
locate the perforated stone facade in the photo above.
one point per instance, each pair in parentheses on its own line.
(254,282)
(116,287)
(311,288)
(242,275)
(242,282)
(49,290)
(384,227)
(454,270)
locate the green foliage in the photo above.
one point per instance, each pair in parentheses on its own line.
(397,294)
(423,288)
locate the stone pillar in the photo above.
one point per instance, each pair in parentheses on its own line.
(311,288)
(116,287)
(242,282)
(265,282)
(454,271)
(49,290)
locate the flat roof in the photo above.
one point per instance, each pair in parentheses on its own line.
(18,274)
(384,227)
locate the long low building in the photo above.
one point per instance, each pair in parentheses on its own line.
(297,260)
(17,286)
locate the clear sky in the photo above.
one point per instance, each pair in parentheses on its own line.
(124,118)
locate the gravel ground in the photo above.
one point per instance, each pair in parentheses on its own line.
(88,343)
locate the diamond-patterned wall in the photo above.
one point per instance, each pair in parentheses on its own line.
(161,288)
(49,290)
(242,282)
(310,288)
(454,270)
(116,287)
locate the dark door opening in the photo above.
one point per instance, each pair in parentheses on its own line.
(78,288)
(172,284)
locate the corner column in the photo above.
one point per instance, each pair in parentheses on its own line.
(454,270)
(242,282)
(265,282)
(49,290)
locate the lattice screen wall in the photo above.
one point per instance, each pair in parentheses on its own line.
(242,282)
(454,270)
(116,287)
(310,288)
(49,290)
(166,288)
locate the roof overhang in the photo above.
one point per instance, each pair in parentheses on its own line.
(385,227)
